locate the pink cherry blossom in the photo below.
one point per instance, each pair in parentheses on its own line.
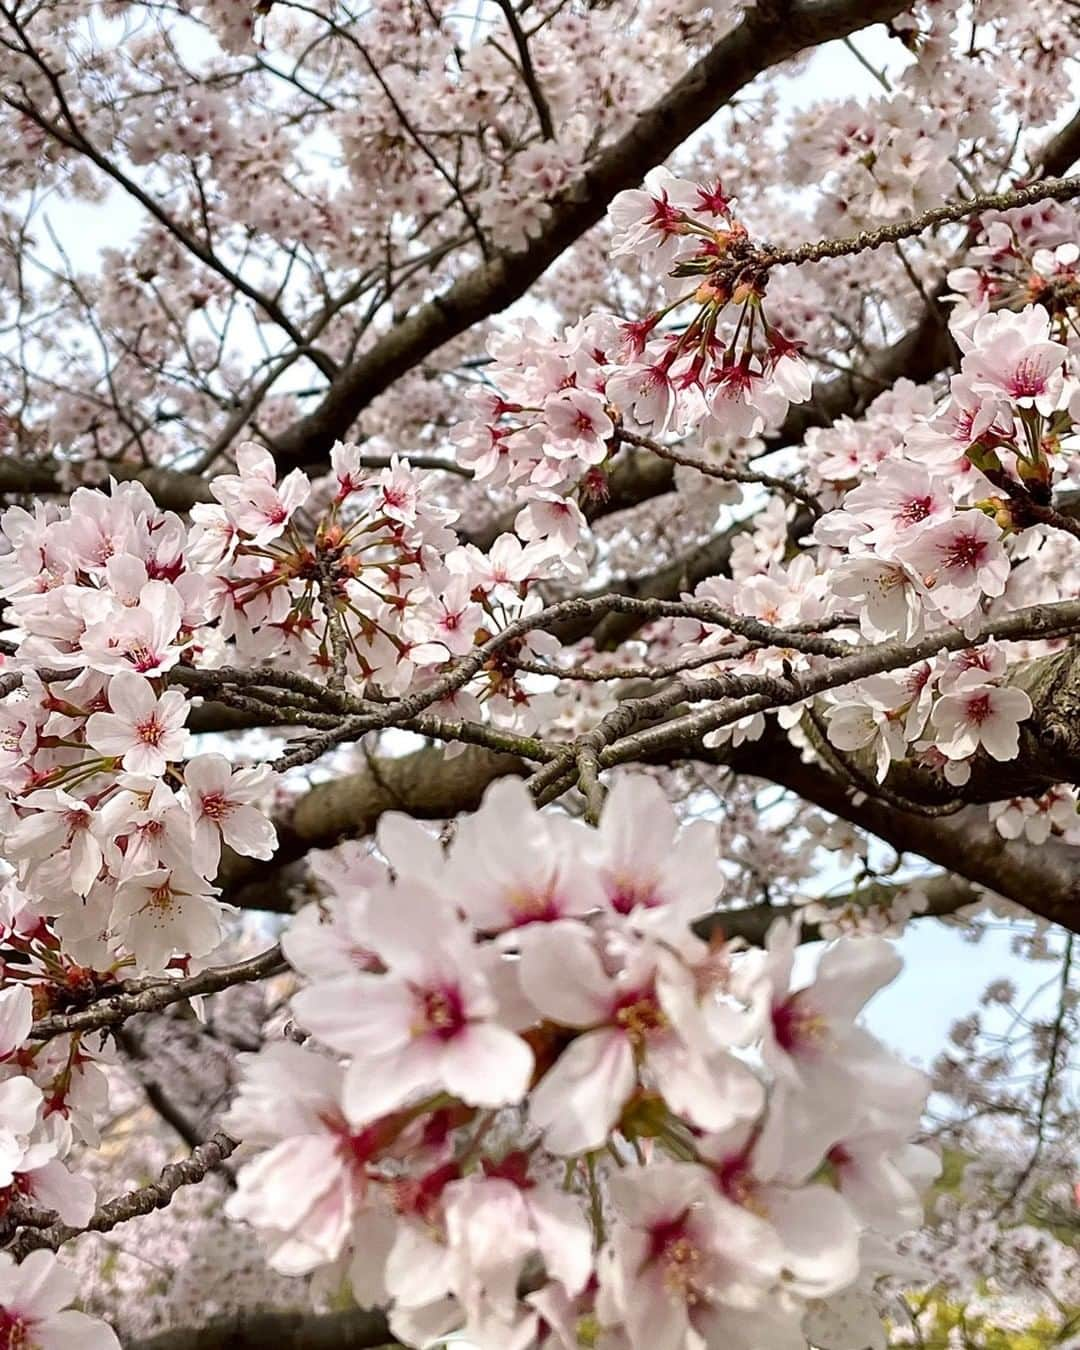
(141,638)
(985,715)
(645,393)
(960,561)
(513,865)
(310,1183)
(638,1019)
(579,425)
(143,730)
(59,821)
(651,218)
(252,501)
(221,800)
(165,911)
(33,1307)
(431,1021)
(685,1264)
(1011,356)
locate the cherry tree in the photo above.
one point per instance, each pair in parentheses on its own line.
(515,523)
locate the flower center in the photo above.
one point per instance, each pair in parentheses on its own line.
(736,1179)
(797,1027)
(142,658)
(1028,380)
(440,1013)
(534,907)
(977,708)
(215,805)
(665,218)
(639,1015)
(682,1262)
(161,900)
(583,423)
(679,1258)
(964,551)
(151,731)
(914,509)
(14,1332)
(627,895)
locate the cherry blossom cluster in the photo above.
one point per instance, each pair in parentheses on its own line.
(378,593)
(51,1099)
(899,153)
(941,713)
(1025,254)
(1037,818)
(725,372)
(538,1106)
(114,826)
(51,1095)
(926,535)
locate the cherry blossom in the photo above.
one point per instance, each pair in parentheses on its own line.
(252,502)
(959,561)
(166,910)
(435,1025)
(33,1306)
(980,715)
(142,730)
(512,424)
(222,799)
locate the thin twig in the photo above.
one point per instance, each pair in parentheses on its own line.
(153,994)
(528,71)
(203,1159)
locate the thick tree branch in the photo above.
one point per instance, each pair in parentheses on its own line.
(356,1329)
(1062,151)
(1042,879)
(173,491)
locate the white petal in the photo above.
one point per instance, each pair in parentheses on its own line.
(582,1096)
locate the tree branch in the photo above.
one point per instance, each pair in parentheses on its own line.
(1046,189)
(151,994)
(356,1329)
(157,1195)
(528,71)
(1040,878)
(945,895)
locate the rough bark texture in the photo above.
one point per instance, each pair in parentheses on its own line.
(1043,879)
(427,784)
(356,1329)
